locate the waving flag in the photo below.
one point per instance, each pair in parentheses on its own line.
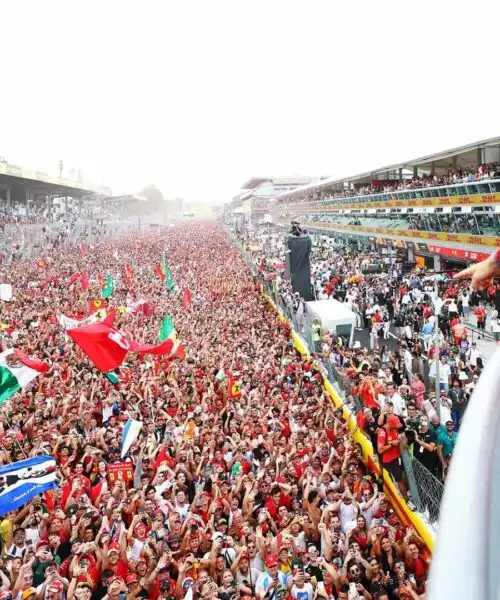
(233,388)
(186,300)
(84,281)
(70,323)
(109,287)
(169,283)
(5,292)
(16,371)
(130,433)
(74,278)
(104,346)
(21,481)
(107,348)
(159,272)
(96,304)
(121,375)
(32,363)
(168,332)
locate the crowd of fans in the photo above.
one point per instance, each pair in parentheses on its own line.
(477,223)
(245,481)
(380,378)
(483,173)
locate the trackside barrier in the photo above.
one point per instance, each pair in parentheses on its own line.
(406,516)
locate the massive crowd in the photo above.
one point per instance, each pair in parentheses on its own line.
(483,173)
(244,481)
(386,376)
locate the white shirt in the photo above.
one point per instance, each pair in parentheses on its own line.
(265,580)
(306,592)
(398,403)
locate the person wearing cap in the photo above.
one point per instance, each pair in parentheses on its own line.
(243,573)
(272,581)
(29,594)
(388,446)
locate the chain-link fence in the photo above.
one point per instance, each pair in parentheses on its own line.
(430,489)
(31,240)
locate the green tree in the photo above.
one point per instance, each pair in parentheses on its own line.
(154,197)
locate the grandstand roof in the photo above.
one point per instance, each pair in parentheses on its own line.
(254,182)
(465,156)
(37,181)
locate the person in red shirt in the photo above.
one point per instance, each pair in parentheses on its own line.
(276,499)
(368,392)
(480,318)
(388,448)
(114,561)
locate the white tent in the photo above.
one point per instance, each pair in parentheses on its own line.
(333,315)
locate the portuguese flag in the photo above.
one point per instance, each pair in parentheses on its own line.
(168,332)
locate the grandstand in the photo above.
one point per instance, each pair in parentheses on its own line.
(30,194)
(255,194)
(442,209)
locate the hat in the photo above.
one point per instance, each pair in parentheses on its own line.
(31,591)
(449,421)
(41,544)
(393,421)
(357,345)
(271,560)
(56,585)
(132,578)
(114,578)
(114,547)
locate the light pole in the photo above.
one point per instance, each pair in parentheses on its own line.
(436,346)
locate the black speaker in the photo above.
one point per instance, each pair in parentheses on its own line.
(300,266)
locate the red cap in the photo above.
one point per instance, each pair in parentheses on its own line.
(271,560)
(132,578)
(114,547)
(56,585)
(393,421)
(41,544)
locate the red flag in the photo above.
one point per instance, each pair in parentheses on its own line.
(105,347)
(73,278)
(84,281)
(187,298)
(110,318)
(157,270)
(145,308)
(165,347)
(32,363)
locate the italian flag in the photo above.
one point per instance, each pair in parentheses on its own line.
(167,332)
(16,371)
(109,288)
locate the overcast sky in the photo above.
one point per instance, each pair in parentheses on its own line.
(197,97)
